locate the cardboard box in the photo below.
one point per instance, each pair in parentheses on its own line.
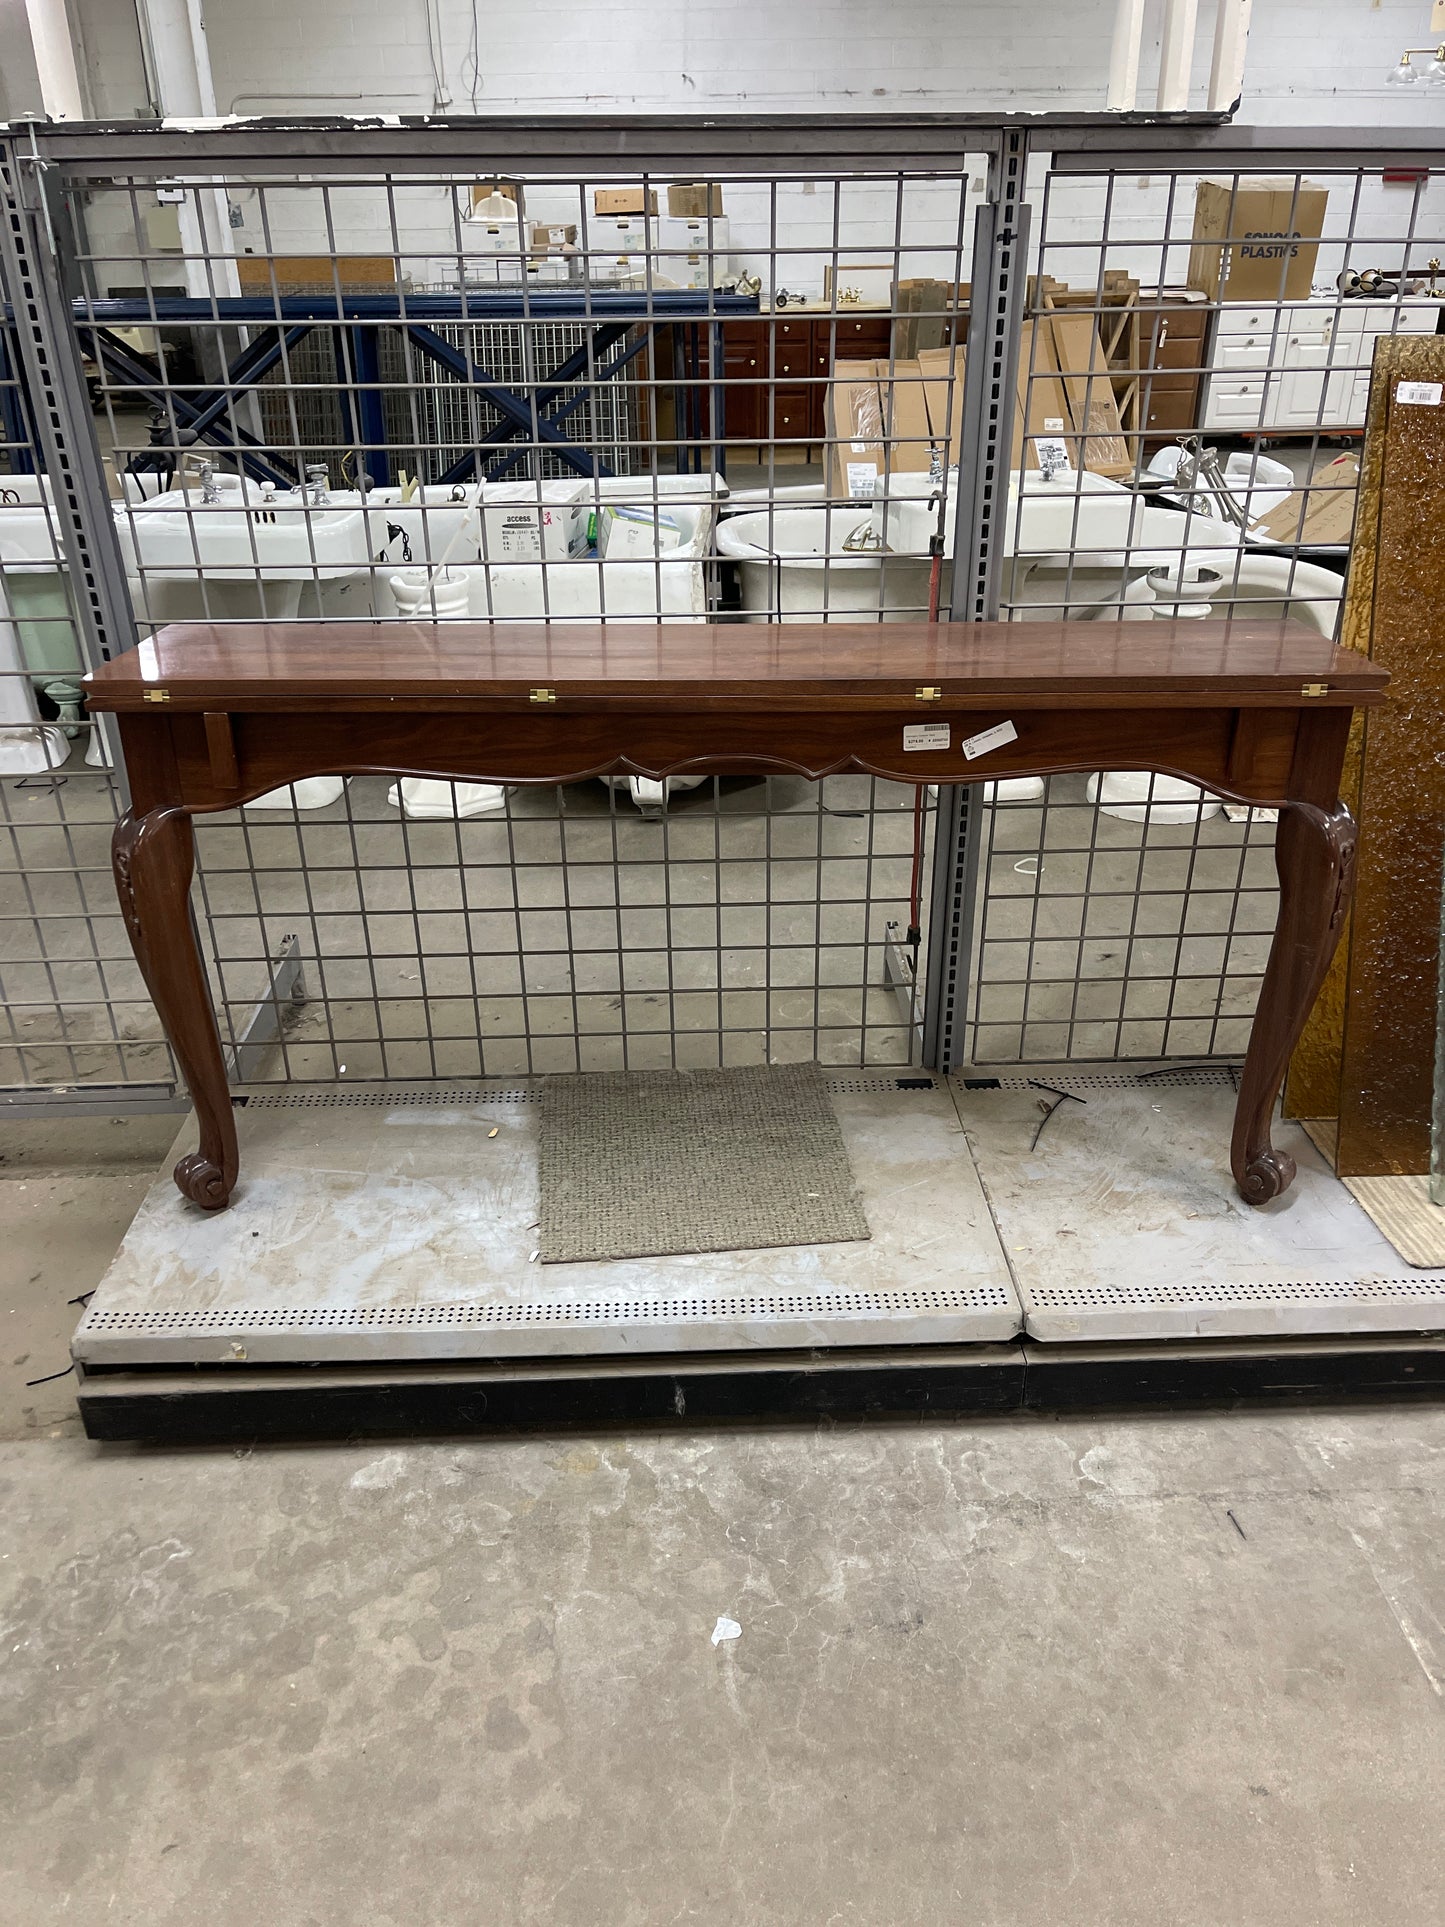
(550,237)
(1093,412)
(1323,512)
(290,273)
(891,419)
(856,425)
(1041,405)
(695,200)
(924,309)
(482,189)
(624,200)
(1256,240)
(887,418)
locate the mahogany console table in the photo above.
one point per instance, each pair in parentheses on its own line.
(211,715)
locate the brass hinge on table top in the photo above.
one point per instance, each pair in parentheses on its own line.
(928,693)
(543,696)
(1315,689)
(156,696)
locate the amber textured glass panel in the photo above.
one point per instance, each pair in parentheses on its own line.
(1389,1019)
(1313,1086)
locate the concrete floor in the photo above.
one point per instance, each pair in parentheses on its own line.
(1013,1672)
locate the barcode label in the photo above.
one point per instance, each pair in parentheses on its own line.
(926,735)
(1420,394)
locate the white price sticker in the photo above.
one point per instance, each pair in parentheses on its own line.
(927,735)
(1053,424)
(862,480)
(988,739)
(1420,394)
(1055,450)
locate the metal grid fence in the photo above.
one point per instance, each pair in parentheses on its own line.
(365,402)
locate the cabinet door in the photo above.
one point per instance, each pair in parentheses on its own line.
(1303,388)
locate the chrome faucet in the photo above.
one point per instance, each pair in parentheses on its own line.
(1052,461)
(317,492)
(210,487)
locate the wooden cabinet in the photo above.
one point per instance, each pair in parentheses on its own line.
(776,371)
(1301,365)
(1172,337)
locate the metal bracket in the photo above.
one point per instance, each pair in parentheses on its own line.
(263,1027)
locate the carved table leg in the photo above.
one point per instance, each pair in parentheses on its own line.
(153,857)
(1315,857)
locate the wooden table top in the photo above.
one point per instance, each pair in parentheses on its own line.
(805,666)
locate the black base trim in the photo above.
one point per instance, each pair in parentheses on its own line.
(207,1405)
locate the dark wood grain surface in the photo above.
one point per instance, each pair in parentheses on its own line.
(834,665)
(213,715)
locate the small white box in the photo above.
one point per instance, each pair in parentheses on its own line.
(533,521)
(627,531)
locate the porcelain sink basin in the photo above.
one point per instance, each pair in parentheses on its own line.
(274,539)
(520,521)
(1072,511)
(28,537)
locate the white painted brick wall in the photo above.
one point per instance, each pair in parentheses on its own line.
(1311,62)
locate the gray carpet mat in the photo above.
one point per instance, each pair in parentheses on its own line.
(646,1164)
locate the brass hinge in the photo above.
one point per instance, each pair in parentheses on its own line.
(543,696)
(1315,689)
(928,693)
(156,696)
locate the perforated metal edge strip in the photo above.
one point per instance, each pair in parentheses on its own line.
(442,1096)
(1283,1291)
(1223,1078)
(541,1312)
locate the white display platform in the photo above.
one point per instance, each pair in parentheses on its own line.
(1123,1223)
(373,1225)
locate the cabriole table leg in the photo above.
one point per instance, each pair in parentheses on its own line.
(1315,857)
(154,856)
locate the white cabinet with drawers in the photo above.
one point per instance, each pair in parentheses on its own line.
(1302,364)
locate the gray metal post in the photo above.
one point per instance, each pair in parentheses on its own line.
(35,244)
(997,300)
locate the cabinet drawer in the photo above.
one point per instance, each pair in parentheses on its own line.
(789,359)
(858,337)
(1188,322)
(1237,402)
(1173,350)
(1248,351)
(790,413)
(1268,320)
(1170,402)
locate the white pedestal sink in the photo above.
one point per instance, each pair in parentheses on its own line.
(254,552)
(40,638)
(36,638)
(27,746)
(258,538)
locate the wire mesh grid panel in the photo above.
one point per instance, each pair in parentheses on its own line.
(353,395)
(1194,373)
(757,920)
(351,398)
